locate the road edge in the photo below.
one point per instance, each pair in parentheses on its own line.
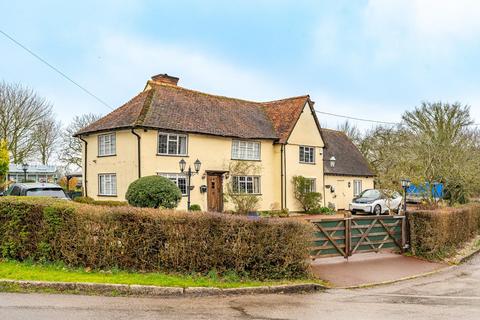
(106,289)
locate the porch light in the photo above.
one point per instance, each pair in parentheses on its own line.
(189,173)
(197,165)
(182,164)
(405,183)
(332,161)
(25,168)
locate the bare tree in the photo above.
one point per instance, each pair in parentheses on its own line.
(47,138)
(351,131)
(71,149)
(21,111)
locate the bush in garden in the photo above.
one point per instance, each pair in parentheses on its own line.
(153,192)
(195,207)
(149,240)
(308,200)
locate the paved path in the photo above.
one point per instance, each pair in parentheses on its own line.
(368,268)
(452,294)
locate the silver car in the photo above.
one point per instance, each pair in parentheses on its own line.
(376,201)
(36,190)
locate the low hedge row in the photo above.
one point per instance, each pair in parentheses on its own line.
(110,203)
(137,239)
(436,234)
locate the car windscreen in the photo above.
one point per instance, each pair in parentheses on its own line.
(371,193)
(46,192)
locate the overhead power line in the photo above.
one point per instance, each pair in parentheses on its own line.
(55,69)
(368,120)
(36,56)
(358,119)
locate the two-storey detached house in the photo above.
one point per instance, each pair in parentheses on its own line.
(165,123)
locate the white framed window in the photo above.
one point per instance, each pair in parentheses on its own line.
(107,144)
(311,185)
(107,184)
(172,144)
(357,187)
(245,150)
(179,179)
(246,184)
(307,154)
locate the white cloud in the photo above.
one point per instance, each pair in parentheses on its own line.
(325,102)
(429,27)
(129,61)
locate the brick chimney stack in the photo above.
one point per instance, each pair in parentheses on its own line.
(165,78)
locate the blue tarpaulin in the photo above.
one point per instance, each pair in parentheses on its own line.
(422,190)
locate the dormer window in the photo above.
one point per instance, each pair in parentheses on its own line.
(107,144)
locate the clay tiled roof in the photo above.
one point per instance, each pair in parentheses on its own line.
(349,160)
(284,114)
(170,107)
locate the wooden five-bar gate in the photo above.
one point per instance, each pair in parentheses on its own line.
(349,235)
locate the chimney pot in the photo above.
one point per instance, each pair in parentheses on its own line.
(165,78)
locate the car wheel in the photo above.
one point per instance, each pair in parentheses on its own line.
(353,212)
(377,210)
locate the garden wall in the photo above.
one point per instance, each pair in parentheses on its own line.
(136,239)
(438,233)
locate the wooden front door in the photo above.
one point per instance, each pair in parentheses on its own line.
(215,192)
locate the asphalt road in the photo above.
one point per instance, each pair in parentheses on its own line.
(451,294)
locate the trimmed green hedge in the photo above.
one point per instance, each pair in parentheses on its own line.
(110,203)
(137,239)
(436,234)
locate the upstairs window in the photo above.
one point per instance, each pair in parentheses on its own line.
(307,154)
(246,184)
(179,179)
(245,150)
(107,144)
(172,144)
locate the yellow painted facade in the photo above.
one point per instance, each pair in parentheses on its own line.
(339,190)
(305,133)
(278,164)
(215,153)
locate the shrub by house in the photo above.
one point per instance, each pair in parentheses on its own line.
(153,192)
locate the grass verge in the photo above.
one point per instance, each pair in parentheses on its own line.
(13,270)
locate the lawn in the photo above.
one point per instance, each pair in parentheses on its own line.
(14,270)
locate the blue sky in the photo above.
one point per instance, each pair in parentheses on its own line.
(370,59)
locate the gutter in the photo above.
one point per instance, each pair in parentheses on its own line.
(285,173)
(281,175)
(85,167)
(138,153)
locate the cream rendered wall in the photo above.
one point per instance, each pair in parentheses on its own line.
(343,194)
(214,153)
(305,133)
(124,164)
